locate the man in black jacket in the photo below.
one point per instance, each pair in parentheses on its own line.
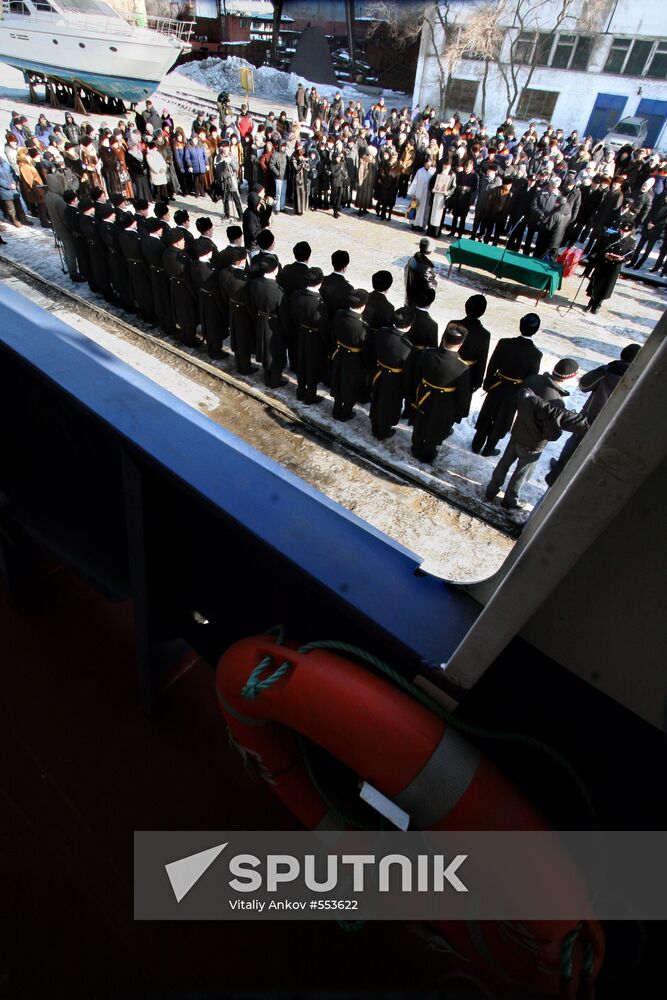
(348,369)
(139,277)
(442,389)
(388,381)
(223,258)
(513,360)
(265,304)
(379,312)
(183,306)
(336,289)
(310,319)
(203,278)
(541,417)
(540,207)
(652,230)
(233,282)
(153,249)
(293,278)
(420,273)
(475,349)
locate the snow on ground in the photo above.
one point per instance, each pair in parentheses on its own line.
(270,84)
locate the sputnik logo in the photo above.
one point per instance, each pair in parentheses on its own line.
(186,872)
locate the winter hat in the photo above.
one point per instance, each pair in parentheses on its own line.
(476,306)
(125,220)
(424,297)
(529,324)
(314,276)
(234,233)
(140,204)
(301,251)
(174,236)
(202,247)
(105,212)
(454,335)
(116,199)
(565,369)
(357,298)
(181,216)
(265,240)
(153,225)
(404,318)
(267,264)
(426,245)
(204,224)
(237,254)
(382,281)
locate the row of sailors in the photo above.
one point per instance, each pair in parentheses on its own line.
(328,332)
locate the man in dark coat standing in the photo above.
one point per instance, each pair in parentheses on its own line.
(233,284)
(153,249)
(310,319)
(420,273)
(423,334)
(652,230)
(379,312)
(348,370)
(213,320)
(223,258)
(183,308)
(293,278)
(336,289)
(513,360)
(140,283)
(265,304)
(475,349)
(441,390)
(541,417)
(608,264)
(388,383)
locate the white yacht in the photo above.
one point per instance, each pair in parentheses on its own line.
(87,42)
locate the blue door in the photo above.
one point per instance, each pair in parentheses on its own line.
(655,113)
(607,110)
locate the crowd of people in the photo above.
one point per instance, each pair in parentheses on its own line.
(107,192)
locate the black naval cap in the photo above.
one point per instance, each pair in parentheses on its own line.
(630,352)
(455,333)
(106,211)
(85,204)
(564,369)
(404,318)
(314,276)
(237,254)
(124,220)
(476,306)
(233,233)
(265,239)
(153,225)
(117,199)
(424,297)
(382,281)
(181,216)
(174,236)
(202,247)
(204,224)
(357,298)
(339,259)
(140,204)
(267,264)
(529,324)
(301,251)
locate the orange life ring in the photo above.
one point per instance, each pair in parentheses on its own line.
(440,779)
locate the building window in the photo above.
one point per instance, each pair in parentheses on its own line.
(563,52)
(462,94)
(617,55)
(637,58)
(524,47)
(537,104)
(582,52)
(545,41)
(658,65)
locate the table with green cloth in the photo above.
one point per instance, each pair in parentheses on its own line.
(507,264)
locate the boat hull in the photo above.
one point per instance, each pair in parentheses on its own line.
(121,87)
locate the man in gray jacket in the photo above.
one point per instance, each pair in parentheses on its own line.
(541,417)
(278,167)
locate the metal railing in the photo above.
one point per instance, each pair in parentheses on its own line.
(179,31)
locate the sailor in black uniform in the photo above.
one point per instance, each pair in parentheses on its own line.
(235,239)
(140,283)
(348,369)
(233,285)
(379,312)
(441,390)
(153,249)
(183,310)
(513,359)
(310,318)
(204,281)
(388,384)
(475,349)
(265,301)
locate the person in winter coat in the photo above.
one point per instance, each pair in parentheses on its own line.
(541,206)
(420,276)
(43,130)
(157,169)
(313,172)
(440,395)
(310,321)
(337,182)
(475,350)
(135,160)
(71,129)
(194,160)
(488,182)
(226,183)
(253,220)
(513,360)
(300,102)
(299,180)
(32,186)
(541,417)
(497,212)
(552,230)
(462,196)
(641,200)
(164,146)
(9,196)
(366,180)
(600,383)
(267,305)
(608,262)
(653,229)
(278,168)
(348,371)
(185,178)
(55,206)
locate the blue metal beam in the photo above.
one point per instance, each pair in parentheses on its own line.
(372,574)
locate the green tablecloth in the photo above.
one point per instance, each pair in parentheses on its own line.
(507,264)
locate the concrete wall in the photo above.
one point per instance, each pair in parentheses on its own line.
(578,90)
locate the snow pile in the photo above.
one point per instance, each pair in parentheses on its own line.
(270,84)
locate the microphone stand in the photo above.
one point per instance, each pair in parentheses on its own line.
(496,269)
